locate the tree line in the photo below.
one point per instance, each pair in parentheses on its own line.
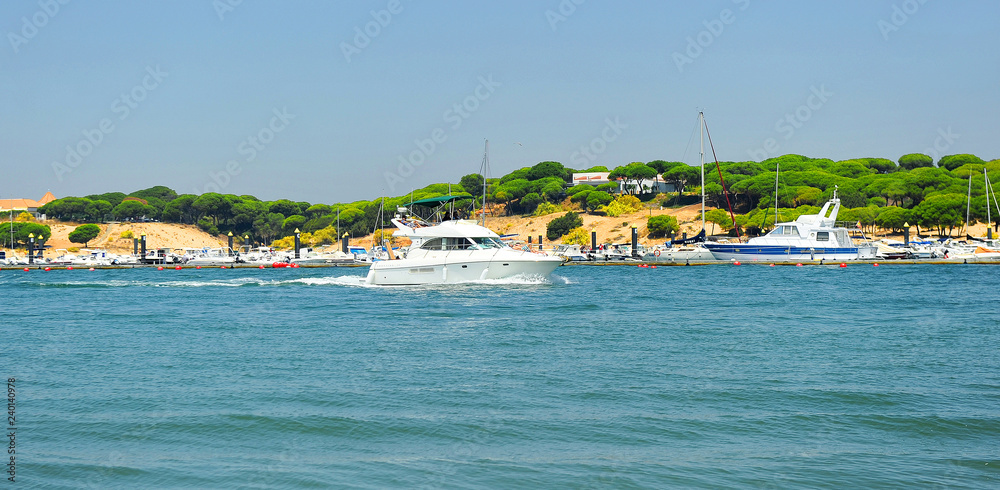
(877,192)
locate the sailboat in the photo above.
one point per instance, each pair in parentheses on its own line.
(986,247)
(687,249)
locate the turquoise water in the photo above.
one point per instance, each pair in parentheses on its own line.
(719,376)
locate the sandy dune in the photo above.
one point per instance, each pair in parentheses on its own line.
(157,235)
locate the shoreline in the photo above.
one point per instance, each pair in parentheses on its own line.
(628,263)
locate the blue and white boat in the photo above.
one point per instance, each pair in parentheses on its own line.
(809,237)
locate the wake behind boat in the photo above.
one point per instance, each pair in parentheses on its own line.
(809,237)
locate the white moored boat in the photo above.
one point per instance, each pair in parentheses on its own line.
(809,237)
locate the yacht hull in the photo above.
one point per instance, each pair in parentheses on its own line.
(750,252)
(458,270)
(679,255)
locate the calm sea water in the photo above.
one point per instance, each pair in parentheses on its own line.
(719,376)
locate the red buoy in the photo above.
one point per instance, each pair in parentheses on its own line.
(652,266)
(25,269)
(843,264)
(48,268)
(160,268)
(736,263)
(798,265)
(198,267)
(69,268)
(91,268)
(772,265)
(177,268)
(876,264)
(223,267)
(262,267)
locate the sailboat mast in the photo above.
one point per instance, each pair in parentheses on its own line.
(777,168)
(701,137)
(968,205)
(989,220)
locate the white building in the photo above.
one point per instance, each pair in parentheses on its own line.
(653,186)
(647,186)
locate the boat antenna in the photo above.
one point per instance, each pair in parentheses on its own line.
(486,170)
(725,190)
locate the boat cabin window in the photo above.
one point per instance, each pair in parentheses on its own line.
(822,236)
(487,242)
(457,243)
(432,244)
(786,230)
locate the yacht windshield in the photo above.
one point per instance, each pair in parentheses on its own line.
(487,242)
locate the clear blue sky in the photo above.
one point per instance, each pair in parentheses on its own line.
(894,77)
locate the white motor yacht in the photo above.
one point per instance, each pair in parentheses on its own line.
(308,256)
(453,252)
(809,237)
(209,256)
(569,252)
